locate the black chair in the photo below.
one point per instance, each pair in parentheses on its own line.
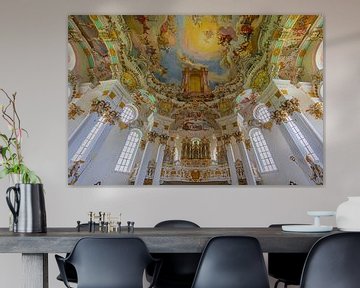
(70,269)
(286,267)
(178,269)
(108,263)
(333,262)
(232,262)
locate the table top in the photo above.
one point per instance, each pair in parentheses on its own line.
(158,240)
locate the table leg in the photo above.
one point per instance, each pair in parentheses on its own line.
(35,270)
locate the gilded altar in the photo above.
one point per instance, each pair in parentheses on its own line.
(181,173)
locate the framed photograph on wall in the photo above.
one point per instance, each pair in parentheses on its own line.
(195,100)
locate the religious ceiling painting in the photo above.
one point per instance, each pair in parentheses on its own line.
(195,100)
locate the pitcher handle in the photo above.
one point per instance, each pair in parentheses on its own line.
(13,208)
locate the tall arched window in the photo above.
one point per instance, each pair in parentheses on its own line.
(319,56)
(321,91)
(262,113)
(128,153)
(129,114)
(81,153)
(262,152)
(71,58)
(300,139)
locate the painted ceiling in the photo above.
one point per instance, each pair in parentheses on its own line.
(171,43)
(150,54)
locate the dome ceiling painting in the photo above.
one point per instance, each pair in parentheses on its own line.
(195,58)
(172,43)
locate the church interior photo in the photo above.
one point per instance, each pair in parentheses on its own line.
(195,100)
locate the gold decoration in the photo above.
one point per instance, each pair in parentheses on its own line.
(72,79)
(129,80)
(268,125)
(316,110)
(248,144)
(73,172)
(225,106)
(152,136)
(123,125)
(317,171)
(317,34)
(99,106)
(291,106)
(165,107)
(111,117)
(142,144)
(239,136)
(279,116)
(261,80)
(163,139)
(226,138)
(195,175)
(74,110)
(103,108)
(284,91)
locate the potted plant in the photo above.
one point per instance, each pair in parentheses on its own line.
(26,197)
(11,159)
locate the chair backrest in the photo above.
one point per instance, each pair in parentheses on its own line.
(232,262)
(110,262)
(176,224)
(333,262)
(178,267)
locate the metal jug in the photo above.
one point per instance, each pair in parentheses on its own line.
(28,208)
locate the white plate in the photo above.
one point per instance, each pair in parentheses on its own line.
(306,228)
(350,229)
(321,213)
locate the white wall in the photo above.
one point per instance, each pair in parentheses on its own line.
(33,45)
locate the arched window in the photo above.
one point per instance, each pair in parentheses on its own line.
(321,91)
(71,58)
(89,140)
(129,114)
(176,154)
(262,113)
(319,57)
(262,152)
(128,153)
(300,139)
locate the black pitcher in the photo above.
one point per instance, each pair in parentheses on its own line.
(28,208)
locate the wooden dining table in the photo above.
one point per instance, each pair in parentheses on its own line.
(35,247)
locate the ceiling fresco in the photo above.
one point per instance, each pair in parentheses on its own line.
(194,68)
(171,43)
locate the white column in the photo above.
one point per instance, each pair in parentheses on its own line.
(142,171)
(231,161)
(159,162)
(249,174)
